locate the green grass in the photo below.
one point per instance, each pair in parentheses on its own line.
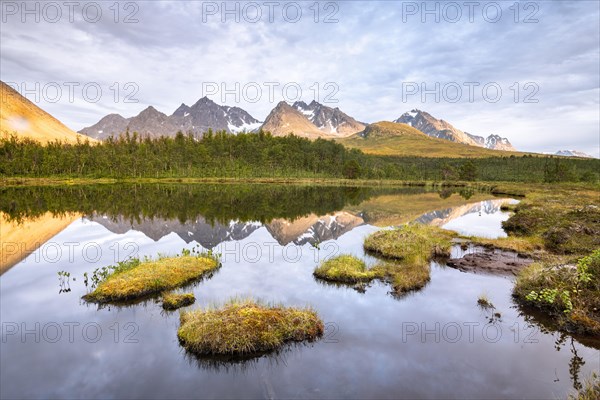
(173,301)
(408,250)
(245,326)
(137,279)
(566,221)
(569,292)
(345,269)
(404,277)
(590,390)
(414,243)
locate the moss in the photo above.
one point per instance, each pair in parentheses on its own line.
(345,269)
(173,301)
(242,327)
(570,293)
(138,279)
(414,244)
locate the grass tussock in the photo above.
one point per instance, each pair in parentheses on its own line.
(590,389)
(245,326)
(520,245)
(569,292)
(484,302)
(346,269)
(137,279)
(414,244)
(173,301)
(404,277)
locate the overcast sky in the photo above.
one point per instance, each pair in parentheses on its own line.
(374,58)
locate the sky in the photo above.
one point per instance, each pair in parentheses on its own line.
(528,71)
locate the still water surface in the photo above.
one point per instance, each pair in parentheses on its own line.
(433,343)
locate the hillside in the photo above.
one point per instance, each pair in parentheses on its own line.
(395,139)
(23,118)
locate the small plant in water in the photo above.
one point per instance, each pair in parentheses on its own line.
(63,281)
(484,302)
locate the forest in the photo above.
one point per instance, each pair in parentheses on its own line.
(218,154)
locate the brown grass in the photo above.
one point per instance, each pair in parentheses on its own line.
(140,279)
(173,301)
(245,326)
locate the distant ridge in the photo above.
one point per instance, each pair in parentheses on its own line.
(203,115)
(438,128)
(573,153)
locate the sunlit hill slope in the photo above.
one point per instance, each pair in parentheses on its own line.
(21,117)
(394,139)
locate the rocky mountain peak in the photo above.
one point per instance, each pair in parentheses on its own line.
(441,129)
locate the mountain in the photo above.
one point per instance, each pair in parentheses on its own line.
(197,119)
(329,120)
(438,128)
(151,122)
(111,125)
(572,153)
(285,119)
(23,118)
(205,114)
(312,121)
(398,139)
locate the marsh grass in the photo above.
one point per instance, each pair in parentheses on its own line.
(590,389)
(349,270)
(507,207)
(569,292)
(346,269)
(404,277)
(566,221)
(414,244)
(246,327)
(136,279)
(173,301)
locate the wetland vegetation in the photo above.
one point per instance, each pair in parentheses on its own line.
(173,301)
(244,327)
(134,279)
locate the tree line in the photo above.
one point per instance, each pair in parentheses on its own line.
(247,155)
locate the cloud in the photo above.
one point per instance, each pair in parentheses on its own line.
(369,53)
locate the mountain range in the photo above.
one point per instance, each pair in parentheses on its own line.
(572,153)
(312,120)
(196,119)
(20,116)
(438,128)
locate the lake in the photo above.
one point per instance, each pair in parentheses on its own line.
(432,343)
